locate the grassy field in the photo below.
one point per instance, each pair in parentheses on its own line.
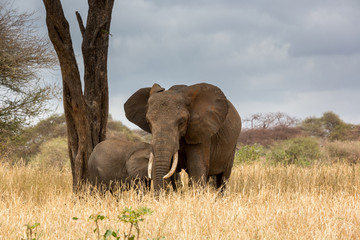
(262,202)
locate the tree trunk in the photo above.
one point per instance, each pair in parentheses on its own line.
(86,112)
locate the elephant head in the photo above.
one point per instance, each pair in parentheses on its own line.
(189,114)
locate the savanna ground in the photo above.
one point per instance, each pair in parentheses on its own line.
(263,201)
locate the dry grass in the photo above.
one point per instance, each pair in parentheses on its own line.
(344,151)
(262,202)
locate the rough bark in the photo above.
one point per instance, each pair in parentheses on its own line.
(86,112)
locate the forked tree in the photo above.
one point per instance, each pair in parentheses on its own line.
(86,111)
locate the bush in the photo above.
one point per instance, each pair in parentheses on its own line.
(27,144)
(115,129)
(53,153)
(267,136)
(249,153)
(330,126)
(347,151)
(301,151)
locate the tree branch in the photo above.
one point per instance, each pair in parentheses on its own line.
(81,24)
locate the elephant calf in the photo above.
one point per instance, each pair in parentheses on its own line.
(116,161)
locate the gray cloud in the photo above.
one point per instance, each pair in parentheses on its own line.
(300,57)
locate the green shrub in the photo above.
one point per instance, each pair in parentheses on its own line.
(53,153)
(249,153)
(115,129)
(28,144)
(348,151)
(129,215)
(32,229)
(330,126)
(301,151)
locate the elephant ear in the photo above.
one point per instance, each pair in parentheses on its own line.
(208,110)
(135,108)
(137,163)
(156,88)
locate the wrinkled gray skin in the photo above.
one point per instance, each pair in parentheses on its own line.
(196,121)
(118,161)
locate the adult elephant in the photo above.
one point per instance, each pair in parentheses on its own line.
(119,163)
(193,127)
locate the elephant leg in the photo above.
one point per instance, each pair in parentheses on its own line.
(212,181)
(222,178)
(197,176)
(147,184)
(176,181)
(221,183)
(198,161)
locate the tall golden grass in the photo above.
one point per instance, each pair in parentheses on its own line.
(344,151)
(261,202)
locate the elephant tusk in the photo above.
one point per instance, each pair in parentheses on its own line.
(151,160)
(173,167)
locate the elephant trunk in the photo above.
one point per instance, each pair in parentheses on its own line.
(161,167)
(165,153)
(165,145)
(172,169)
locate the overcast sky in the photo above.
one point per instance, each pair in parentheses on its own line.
(297,57)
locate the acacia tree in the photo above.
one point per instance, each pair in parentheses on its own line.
(86,112)
(271,120)
(23,54)
(329,126)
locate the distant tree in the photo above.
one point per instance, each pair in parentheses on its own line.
(335,128)
(329,126)
(23,54)
(314,126)
(271,120)
(86,111)
(253,120)
(266,128)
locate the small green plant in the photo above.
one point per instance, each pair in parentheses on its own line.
(110,233)
(107,234)
(96,219)
(30,231)
(249,153)
(133,217)
(300,151)
(128,216)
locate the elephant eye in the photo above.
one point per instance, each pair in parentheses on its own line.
(181,122)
